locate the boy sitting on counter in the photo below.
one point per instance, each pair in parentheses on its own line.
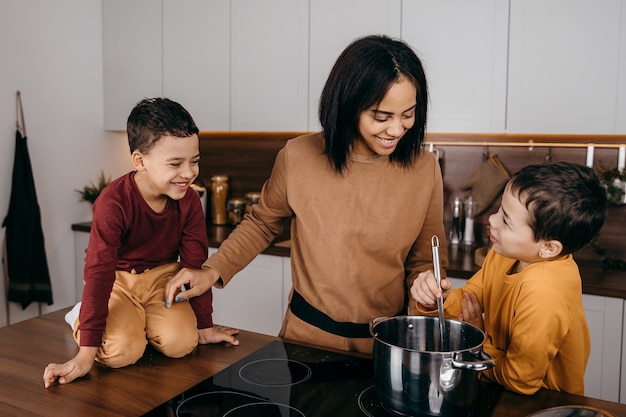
(143,222)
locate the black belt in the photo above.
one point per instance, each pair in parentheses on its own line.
(306,312)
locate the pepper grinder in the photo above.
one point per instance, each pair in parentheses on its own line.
(457,208)
(219,194)
(470,207)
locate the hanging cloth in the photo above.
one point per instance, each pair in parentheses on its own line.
(25,260)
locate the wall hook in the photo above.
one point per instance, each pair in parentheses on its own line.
(548,158)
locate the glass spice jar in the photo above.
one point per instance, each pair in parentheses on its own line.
(253,198)
(236,208)
(219,194)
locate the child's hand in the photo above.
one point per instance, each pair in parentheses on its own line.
(76,367)
(217,334)
(472,311)
(426,291)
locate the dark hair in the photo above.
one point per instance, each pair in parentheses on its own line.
(360,78)
(153,118)
(565,202)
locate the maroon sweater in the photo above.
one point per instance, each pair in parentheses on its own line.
(127,234)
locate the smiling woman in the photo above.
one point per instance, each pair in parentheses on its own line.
(364,184)
(383,126)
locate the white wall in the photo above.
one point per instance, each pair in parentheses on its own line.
(52,52)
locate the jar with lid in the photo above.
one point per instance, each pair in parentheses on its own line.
(252,198)
(236,208)
(219,194)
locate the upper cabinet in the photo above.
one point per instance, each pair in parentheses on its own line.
(196,59)
(522,66)
(463,47)
(177,49)
(269,67)
(233,64)
(566,67)
(334,24)
(133,57)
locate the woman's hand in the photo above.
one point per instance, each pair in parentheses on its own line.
(217,334)
(197,282)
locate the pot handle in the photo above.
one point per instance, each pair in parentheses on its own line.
(484,363)
(374,322)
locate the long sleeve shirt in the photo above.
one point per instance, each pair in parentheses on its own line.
(535,323)
(358,239)
(126,234)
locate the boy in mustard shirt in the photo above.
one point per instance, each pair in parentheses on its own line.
(529,286)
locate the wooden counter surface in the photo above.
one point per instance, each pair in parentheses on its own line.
(27,347)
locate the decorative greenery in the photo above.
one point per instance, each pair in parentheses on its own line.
(91,191)
(608,262)
(615,193)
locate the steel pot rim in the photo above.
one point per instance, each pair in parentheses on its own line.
(378,320)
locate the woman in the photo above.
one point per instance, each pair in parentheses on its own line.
(362,196)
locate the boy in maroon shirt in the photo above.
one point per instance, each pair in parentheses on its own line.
(146,225)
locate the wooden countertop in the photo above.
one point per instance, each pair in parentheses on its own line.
(27,347)
(596,281)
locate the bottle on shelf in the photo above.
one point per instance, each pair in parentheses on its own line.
(456,235)
(219,196)
(469,209)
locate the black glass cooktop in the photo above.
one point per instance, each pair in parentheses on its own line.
(288,380)
(283,380)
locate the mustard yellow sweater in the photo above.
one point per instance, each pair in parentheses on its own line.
(358,240)
(535,322)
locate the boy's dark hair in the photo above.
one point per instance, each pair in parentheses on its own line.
(565,202)
(360,78)
(153,118)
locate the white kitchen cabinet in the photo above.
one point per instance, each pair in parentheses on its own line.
(622,395)
(133,57)
(196,59)
(463,47)
(604,317)
(333,26)
(566,72)
(254,299)
(179,50)
(81,240)
(269,65)
(524,66)
(234,65)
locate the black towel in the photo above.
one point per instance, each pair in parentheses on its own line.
(29,279)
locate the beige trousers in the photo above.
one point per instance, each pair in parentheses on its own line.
(137,315)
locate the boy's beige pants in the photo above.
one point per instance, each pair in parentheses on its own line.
(137,315)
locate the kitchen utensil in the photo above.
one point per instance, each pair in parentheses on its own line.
(437,267)
(413,377)
(571,411)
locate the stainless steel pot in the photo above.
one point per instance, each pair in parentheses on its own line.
(414,377)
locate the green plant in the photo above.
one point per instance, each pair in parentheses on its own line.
(91,191)
(608,176)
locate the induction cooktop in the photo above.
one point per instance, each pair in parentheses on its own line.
(284,380)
